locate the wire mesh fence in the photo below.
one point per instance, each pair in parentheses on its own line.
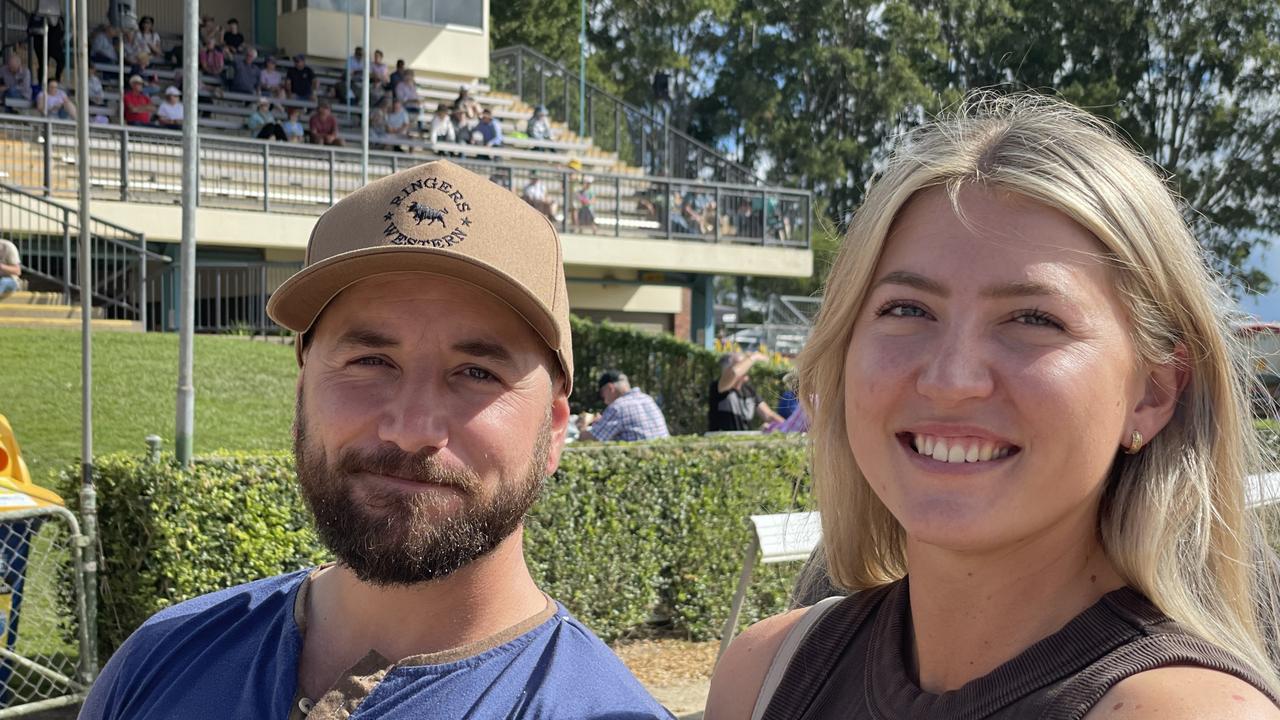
(45,661)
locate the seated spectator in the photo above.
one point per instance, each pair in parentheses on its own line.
(468,105)
(232,39)
(629,414)
(55,103)
(463,128)
(407,90)
(324,126)
(102,46)
(395,76)
(15,78)
(378,70)
(10,268)
(397,120)
(134,46)
(539,127)
(442,129)
(732,402)
(490,132)
(137,105)
(301,78)
(97,96)
(535,193)
(210,30)
(263,123)
(271,80)
(293,129)
(378,120)
(169,114)
(150,78)
(148,37)
(245,74)
(212,60)
(355,65)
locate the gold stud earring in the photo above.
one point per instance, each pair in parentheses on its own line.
(1135,443)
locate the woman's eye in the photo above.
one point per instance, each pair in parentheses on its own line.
(902,309)
(1037,318)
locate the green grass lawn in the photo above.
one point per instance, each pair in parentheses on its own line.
(244,393)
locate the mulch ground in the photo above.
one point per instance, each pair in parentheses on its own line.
(668,662)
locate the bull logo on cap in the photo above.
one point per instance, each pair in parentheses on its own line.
(422,204)
(428,213)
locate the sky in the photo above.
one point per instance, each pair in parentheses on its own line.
(1267,307)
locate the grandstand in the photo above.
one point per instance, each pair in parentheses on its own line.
(648,215)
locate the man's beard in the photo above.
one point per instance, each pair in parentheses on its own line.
(392,537)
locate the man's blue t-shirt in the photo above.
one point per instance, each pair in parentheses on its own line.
(234,654)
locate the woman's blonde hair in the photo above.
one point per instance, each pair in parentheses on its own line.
(1173,518)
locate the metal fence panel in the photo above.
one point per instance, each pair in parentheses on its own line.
(44,646)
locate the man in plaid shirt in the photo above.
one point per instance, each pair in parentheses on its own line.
(630,415)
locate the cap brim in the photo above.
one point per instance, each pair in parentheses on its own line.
(298,302)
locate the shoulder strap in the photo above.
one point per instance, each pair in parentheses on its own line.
(790,644)
(803,673)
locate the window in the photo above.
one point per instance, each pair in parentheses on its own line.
(469,13)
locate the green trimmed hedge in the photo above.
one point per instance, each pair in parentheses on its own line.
(626,535)
(676,373)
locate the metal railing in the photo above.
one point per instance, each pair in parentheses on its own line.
(145,165)
(48,235)
(640,138)
(231,297)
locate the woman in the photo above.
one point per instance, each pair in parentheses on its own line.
(1024,398)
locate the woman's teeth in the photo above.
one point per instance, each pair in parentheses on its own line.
(959,450)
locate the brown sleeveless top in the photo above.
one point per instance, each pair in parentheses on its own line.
(850,664)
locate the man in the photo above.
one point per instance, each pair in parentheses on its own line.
(233,39)
(302,79)
(247,76)
(630,414)
(15,78)
(490,131)
(10,268)
(434,371)
(324,126)
(535,193)
(137,105)
(733,401)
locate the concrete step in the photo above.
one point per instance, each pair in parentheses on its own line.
(26,297)
(33,310)
(70,324)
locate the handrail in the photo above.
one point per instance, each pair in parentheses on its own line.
(516,50)
(74,212)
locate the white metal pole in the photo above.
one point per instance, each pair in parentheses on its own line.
(122,82)
(184,436)
(88,496)
(44,67)
(582,69)
(364,103)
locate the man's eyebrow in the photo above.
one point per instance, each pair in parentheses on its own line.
(487,349)
(359,337)
(1015,289)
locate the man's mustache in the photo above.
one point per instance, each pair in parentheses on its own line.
(422,466)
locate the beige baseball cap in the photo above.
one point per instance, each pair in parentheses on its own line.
(436,218)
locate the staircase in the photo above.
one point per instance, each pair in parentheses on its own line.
(45,311)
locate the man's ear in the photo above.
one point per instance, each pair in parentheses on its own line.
(559,427)
(1163,388)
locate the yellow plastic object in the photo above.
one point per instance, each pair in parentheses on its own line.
(16,489)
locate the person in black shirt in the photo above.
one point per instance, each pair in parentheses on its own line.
(232,38)
(301,79)
(732,402)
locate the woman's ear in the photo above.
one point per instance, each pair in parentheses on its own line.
(1163,387)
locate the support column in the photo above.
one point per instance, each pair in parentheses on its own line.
(702,321)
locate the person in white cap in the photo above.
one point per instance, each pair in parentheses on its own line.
(169,114)
(435,365)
